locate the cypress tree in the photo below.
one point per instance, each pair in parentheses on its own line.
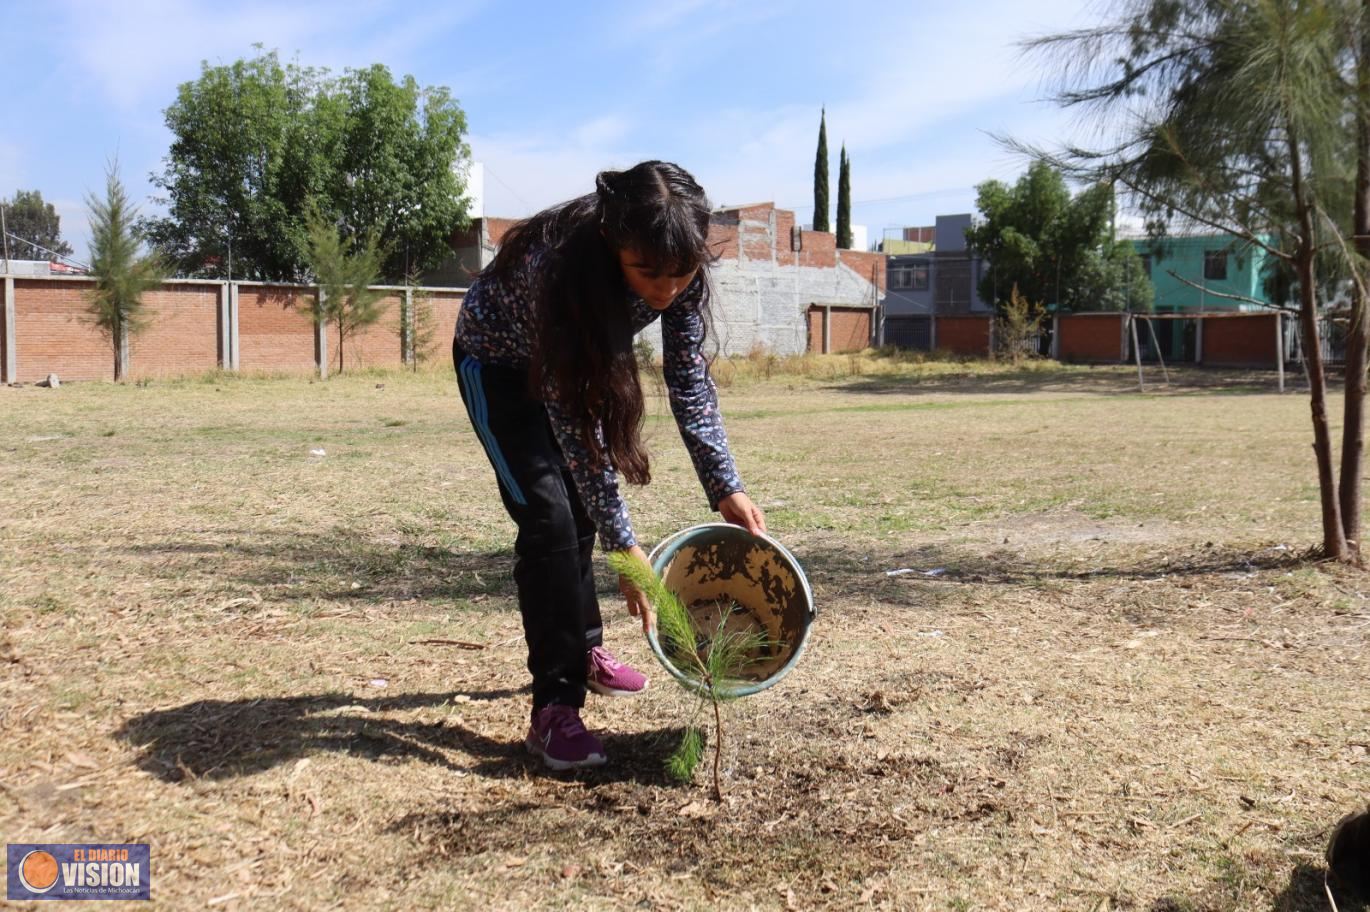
(844,201)
(820,176)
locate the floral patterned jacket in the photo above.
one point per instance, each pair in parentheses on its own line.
(495,326)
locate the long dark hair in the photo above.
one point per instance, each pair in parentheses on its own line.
(583,334)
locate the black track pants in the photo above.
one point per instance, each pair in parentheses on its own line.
(556,538)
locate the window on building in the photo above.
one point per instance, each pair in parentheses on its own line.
(918,277)
(901,277)
(1215,265)
(1146,264)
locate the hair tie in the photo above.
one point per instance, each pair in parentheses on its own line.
(602,184)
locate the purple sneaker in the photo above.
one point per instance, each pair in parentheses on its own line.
(608,676)
(559,738)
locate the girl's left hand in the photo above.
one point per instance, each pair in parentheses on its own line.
(739,510)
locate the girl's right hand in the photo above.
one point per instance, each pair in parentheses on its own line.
(638,605)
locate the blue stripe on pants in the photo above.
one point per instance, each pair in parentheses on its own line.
(477,405)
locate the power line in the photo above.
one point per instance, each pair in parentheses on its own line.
(52,253)
(527,205)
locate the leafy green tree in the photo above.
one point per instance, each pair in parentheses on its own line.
(34,227)
(346,298)
(844,200)
(1053,248)
(121,275)
(254,141)
(1245,116)
(820,176)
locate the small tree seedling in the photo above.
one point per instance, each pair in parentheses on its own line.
(712,659)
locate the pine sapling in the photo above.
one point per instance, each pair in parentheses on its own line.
(712,661)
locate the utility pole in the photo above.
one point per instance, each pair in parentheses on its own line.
(5,237)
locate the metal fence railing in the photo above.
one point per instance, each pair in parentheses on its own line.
(1332,330)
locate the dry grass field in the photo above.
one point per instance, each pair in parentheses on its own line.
(268,626)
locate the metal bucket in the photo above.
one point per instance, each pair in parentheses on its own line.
(717,564)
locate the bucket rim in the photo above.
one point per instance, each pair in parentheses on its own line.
(668,546)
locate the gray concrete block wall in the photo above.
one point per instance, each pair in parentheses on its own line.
(760,302)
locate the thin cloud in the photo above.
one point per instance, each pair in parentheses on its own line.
(729,89)
(162,42)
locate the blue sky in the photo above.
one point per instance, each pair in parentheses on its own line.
(555,91)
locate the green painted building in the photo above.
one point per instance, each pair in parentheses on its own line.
(1218,264)
(1196,274)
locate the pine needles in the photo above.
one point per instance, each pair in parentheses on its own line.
(712,660)
(683,760)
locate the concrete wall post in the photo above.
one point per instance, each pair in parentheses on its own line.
(225,339)
(123,354)
(321,339)
(11,340)
(1279,349)
(235,364)
(407,354)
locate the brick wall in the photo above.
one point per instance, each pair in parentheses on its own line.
(756,233)
(870,266)
(723,240)
(379,345)
(850,330)
(182,334)
(963,335)
(765,289)
(443,309)
(1247,340)
(496,228)
(1091,338)
(785,254)
(1239,340)
(819,249)
(54,332)
(275,330)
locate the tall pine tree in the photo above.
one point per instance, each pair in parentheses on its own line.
(820,176)
(121,275)
(844,200)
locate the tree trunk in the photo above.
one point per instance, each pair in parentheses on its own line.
(1333,537)
(1353,424)
(118,348)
